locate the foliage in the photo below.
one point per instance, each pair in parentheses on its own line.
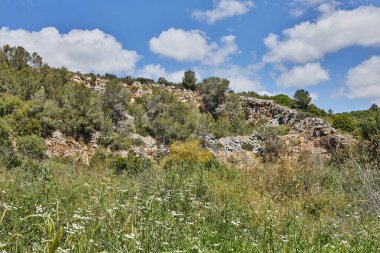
(115,100)
(282,99)
(189,80)
(343,122)
(317,112)
(130,165)
(283,207)
(213,90)
(31,146)
(231,118)
(302,98)
(189,151)
(273,145)
(81,112)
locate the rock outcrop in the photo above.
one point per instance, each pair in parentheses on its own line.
(62,146)
(312,134)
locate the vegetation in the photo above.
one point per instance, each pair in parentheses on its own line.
(189,80)
(302,99)
(185,200)
(276,207)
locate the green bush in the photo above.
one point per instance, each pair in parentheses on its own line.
(273,145)
(214,89)
(31,146)
(344,122)
(131,164)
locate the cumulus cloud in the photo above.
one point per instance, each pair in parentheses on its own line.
(78,50)
(302,76)
(363,81)
(193,46)
(224,9)
(310,41)
(241,78)
(300,7)
(155,71)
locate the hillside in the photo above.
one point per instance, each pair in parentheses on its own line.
(92,163)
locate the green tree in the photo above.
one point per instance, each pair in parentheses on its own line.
(302,98)
(115,100)
(231,118)
(213,90)
(189,80)
(81,115)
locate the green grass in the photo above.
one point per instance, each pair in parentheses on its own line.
(283,207)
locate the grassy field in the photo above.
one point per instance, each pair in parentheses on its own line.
(305,206)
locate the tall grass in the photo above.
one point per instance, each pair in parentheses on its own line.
(288,206)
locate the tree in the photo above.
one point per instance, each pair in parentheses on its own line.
(213,90)
(81,114)
(115,100)
(231,118)
(302,98)
(163,81)
(189,80)
(374,107)
(330,112)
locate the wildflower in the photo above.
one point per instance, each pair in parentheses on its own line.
(130,236)
(2,245)
(235,223)
(60,250)
(175,214)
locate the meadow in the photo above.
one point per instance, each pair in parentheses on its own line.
(240,206)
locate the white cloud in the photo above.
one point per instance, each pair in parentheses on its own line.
(363,81)
(314,97)
(155,71)
(310,41)
(224,9)
(241,78)
(300,7)
(302,76)
(193,46)
(78,50)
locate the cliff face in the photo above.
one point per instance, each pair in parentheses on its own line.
(304,134)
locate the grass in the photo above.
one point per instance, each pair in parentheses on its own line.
(251,207)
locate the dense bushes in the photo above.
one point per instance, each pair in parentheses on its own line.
(189,151)
(344,122)
(31,146)
(130,165)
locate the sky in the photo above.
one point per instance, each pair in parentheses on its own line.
(331,48)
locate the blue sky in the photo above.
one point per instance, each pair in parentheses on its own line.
(329,47)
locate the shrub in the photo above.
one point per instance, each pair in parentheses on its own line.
(131,164)
(213,90)
(344,122)
(273,146)
(100,158)
(31,146)
(247,146)
(312,108)
(115,100)
(283,99)
(189,151)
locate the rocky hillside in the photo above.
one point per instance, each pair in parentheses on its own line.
(298,133)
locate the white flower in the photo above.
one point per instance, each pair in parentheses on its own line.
(130,236)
